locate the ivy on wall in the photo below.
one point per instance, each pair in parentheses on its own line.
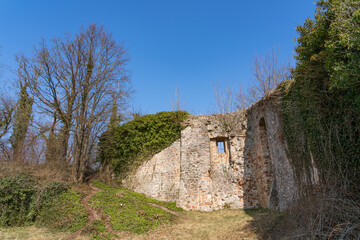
(126,146)
(321,105)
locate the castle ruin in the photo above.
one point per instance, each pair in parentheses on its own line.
(236,160)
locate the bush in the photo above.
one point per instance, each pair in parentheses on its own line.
(23,201)
(17,195)
(62,211)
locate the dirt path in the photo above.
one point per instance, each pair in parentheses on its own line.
(92,214)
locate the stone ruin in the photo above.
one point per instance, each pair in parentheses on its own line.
(236,160)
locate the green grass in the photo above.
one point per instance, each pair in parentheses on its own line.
(129,211)
(96,230)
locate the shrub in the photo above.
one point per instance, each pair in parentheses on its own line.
(17,196)
(23,201)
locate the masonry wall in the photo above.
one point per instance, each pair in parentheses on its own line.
(159,177)
(253,171)
(210,180)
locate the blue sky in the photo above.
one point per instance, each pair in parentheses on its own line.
(189,44)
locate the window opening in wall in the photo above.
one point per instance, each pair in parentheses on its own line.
(221,146)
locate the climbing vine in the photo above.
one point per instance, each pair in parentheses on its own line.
(322,104)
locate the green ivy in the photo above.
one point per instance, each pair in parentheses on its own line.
(17,195)
(321,105)
(23,201)
(125,147)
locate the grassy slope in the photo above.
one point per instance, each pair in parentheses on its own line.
(131,216)
(222,224)
(129,211)
(30,233)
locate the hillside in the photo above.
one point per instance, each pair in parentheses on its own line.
(98,211)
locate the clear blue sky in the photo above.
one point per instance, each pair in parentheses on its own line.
(186,43)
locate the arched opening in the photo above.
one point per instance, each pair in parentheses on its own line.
(263,165)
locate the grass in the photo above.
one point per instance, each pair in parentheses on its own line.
(30,233)
(132,216)
(97,231)
(221,224)
(129,211)
(25,202)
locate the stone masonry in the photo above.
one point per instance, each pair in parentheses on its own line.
(236,160)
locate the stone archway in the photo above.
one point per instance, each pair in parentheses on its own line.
(264,175)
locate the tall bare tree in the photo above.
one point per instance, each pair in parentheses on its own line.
(74,80)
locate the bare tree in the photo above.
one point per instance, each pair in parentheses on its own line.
(7,109)
(225,101)
(267,74)
(226,105)
(177,104)
(241,99)
(74,80)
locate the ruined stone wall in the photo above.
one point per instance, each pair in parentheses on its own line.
(160,176)
(269,173)
(192,172)
(253,171)
(211,180)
